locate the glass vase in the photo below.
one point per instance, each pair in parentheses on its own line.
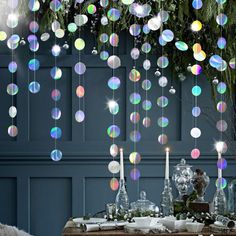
(219,202)
(232,197)
(122,199)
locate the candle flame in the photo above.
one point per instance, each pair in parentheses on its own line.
(167,149)
(219,146)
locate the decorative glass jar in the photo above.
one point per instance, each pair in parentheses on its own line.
(182,176)
(232,197)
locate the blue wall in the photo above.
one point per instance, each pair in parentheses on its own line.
(39,195)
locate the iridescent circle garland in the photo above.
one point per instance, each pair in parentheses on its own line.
(56,74)
(33,64)
(80,69)
(199,55)
(114,63)
(12,43)
(220,64)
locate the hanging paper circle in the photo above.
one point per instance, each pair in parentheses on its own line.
(79,116)
(80,91)
(164,15)
(221,107)
(45,36)
(81,20)
(221,183)
(162,62)
(221,43)
(163,139)
(56,73)
(201,56)
(135,136)
(162,101)
(221,1)
(104,55)
(221,125)
(167,35)
(56,113)
(146,29)
(195,132)
(196,26)
(232,63)
(91,9)
(134,75)
(221,88)
(135,98)
(135,53)
(80,68)
(114,40)
(113,107)
(223,66)
(221,19)
(197,48)
(196,69)
(31,38)
(13,4)
(103,38)
(182,46)
(196,111)
(114,167)
(139,10)
(56,50)
(135,29)
(163,81)
(127,2)
(12,89)
(161,41)
(196,91)
(113,14)
(55,5)
(114,184)
(222,164)
(163,122)
(12,67)
(12,131)
(146,47)
(134,117)
(215,61)
(135,174)
(114,83)
(56,155)
(154,23)
(104,3)
(135,158)
(60,33)
(197,4)
(12,20)
(34,87)
(146,122)
(113,131)
(12,111)
(34,27)
(3,36)
(56,132)
(195,153)
(146,85)
(146,64)
(79,44)
(147,105)
(114,150)
(72,27)
(56,95)
(114,62)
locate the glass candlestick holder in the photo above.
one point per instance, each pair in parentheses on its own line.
(219,202)
(167,207)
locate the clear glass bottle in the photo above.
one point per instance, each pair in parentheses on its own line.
(167,207)
(122,199)
(219,202)
(232,197)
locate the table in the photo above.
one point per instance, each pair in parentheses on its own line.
(71,230)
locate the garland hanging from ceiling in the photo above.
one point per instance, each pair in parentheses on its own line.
(180,14)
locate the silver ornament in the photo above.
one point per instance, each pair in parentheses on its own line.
(172,90)
(157,73)
(66,46)
(22,42)
(94,51)
(215,81)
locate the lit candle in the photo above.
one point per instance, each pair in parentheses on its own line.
(219,170)
(167,163)
(121,164)
(219,146)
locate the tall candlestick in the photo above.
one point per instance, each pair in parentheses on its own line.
(219,170)
(121,164)
(167,163)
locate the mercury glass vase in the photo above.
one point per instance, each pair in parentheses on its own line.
(167,207)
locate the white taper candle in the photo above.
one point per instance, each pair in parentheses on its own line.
(167,164)
(121,164)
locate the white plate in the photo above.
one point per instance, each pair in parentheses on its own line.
(90,221)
